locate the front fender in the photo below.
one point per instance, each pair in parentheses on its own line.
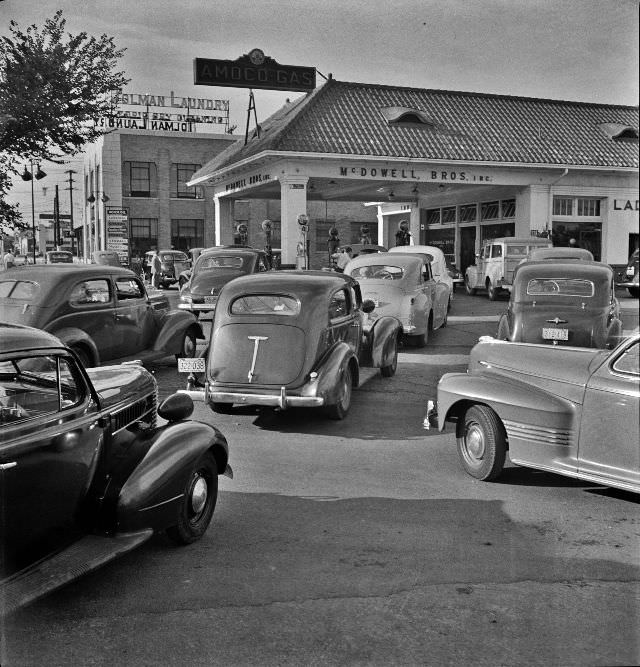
(471,274)
(512,401)
(383,333)
(71,336)
(331,368)
(174,325)
(151,494)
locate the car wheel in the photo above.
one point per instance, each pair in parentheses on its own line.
(340,409)
(188,346)
(492,291)
(86,359)
(481,442)
(390,370)
(634,291)
(420,340)
(470,290)
(198,502)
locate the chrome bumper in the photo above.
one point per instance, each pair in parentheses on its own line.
(281,400)
(197,306)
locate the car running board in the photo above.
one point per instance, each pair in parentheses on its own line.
(83,556)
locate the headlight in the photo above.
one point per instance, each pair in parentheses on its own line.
(186,298)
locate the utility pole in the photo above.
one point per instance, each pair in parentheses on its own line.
(70,188)
(56,220)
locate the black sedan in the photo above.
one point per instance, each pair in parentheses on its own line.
(563,303)
(87,472)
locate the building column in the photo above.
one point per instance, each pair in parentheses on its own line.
(414,224)
(293,202)
(533,209)
(223,223)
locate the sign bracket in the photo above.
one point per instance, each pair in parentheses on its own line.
(252,107)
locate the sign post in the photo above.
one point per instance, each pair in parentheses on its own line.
(118,233)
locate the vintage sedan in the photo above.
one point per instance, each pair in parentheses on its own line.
(213,269)
(572,411)
(58,257)
(630,276)
(172,264)
(293,339)
(90,466)
(103,313)
(562,303)
(439,267)
(402,286)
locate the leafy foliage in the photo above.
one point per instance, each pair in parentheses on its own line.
(53,85)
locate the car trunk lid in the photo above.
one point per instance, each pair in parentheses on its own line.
(257,354)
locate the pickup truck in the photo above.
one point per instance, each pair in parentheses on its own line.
(496,261)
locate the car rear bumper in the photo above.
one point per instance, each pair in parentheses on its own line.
(278,399)
(194,307)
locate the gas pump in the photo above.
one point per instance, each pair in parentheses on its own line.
(302,260)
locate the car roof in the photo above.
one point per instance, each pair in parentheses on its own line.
(302,283)
(569,269)
(395,258)
(14,337)
(528,240)
(231,250)
(425,249)
(43,272)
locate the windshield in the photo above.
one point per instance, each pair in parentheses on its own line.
(21,290)
(377,272)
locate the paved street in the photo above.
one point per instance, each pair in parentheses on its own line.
(363,543)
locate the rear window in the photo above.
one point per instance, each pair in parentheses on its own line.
(57,257)
(223,262)
(377,272)
(560,287)
(22,290)
(265,304)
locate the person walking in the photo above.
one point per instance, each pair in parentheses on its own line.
(156,269)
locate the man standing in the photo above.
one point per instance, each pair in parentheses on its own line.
(343,258)
(156,269)
(9,259)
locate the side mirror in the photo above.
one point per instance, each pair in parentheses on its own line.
(176,407)
(368,306)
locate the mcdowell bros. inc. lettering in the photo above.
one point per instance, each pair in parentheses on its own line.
(431,175)
(250,180)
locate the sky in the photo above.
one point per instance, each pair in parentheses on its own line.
(579,50)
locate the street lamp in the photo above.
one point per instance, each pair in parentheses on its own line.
(28,175)
(100,229)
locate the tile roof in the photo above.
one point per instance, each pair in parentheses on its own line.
(351,119)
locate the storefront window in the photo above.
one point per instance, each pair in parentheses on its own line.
(584,235)
(562,206)
(144,235)
(187,233)
(588,207)
(443,239)
(139,179)
(489,210)
(432,216)
(508,207)
(498,231)
(448,215)
(468,213)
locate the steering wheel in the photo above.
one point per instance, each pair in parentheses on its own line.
(383,275)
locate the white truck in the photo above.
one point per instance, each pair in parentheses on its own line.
(496,261)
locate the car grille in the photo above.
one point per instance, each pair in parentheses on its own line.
(143,410)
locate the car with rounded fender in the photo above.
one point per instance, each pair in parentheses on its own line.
(629,278)
(402,286)
(292,339)
(91,466)
(103,313)
(172,264)
(567,410)
(213,269)
(442,271)
(58,257)
(562,303)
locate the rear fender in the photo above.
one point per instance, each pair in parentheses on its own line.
(150,495)
(174,325)
(72,337)
(330,370)
(384,332)
(512,401)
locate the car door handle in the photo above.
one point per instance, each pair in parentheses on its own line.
(6,466)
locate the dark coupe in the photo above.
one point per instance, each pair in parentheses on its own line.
(213,269)
(294,339)
(103,313)
(87,470)
(563,303)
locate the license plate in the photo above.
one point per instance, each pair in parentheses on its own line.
(552,333)
(210,299)
(191,365)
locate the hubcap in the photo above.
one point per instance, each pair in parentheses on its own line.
(475,443)
(199,492)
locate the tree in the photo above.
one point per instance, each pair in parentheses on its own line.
(53,86)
